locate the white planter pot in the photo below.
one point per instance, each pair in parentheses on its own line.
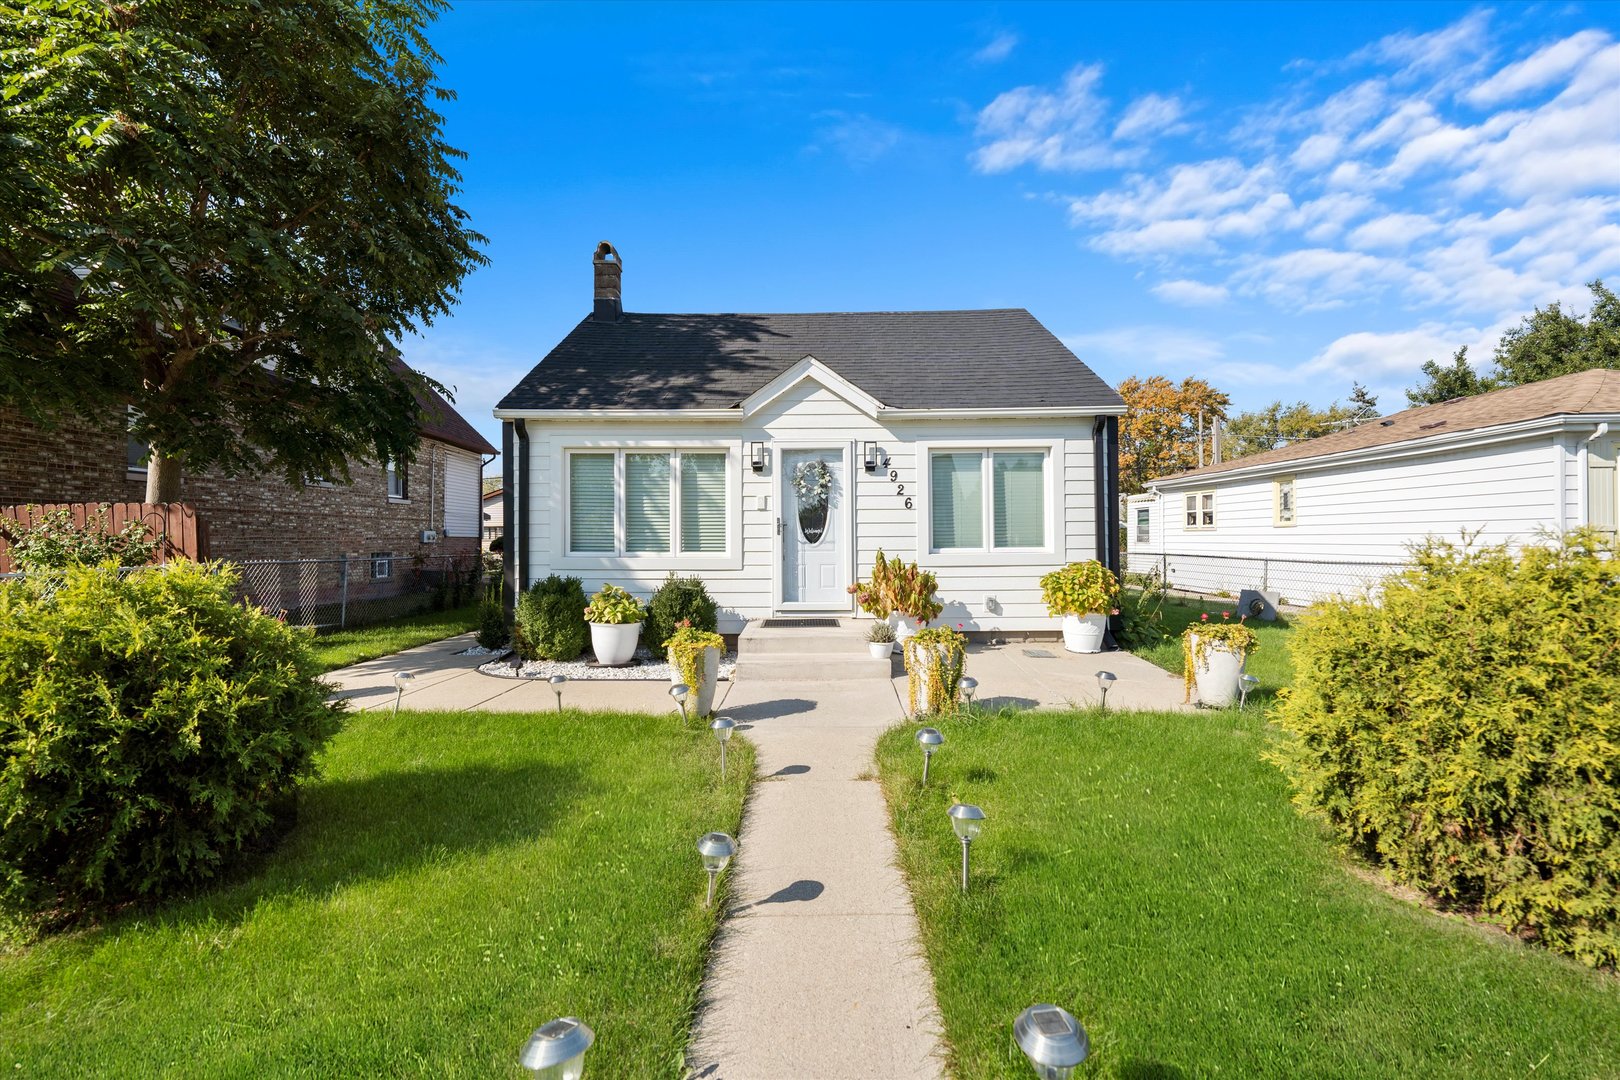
(701,703)
(1084,633)
(880,650)
(917,701)
(904,627)
(614,643)
(1215,674)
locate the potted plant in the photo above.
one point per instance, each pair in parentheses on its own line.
(912,591)
(1213,655)
(1083,593)
(694,659)
(615,618)
(876,596)
(936,660)
(880,640)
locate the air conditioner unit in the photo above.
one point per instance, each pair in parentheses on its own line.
(430,536)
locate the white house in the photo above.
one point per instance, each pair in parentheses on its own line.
(494,516)
(1303,518)
(774,455)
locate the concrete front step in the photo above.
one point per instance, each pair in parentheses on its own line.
(849,638)
(816,667)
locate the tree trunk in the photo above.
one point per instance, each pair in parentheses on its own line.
(162,478)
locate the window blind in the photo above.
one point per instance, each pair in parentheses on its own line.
(590,502)
(703,503)
(1018,498)
(646,503)
(956,500)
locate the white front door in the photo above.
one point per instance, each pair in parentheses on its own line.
(814,501)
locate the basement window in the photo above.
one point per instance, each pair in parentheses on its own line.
(382,565)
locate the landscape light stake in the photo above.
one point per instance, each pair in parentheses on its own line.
(557,682)
(929,739)
(402,679)
(968,685)
(1052,1039)
(679,692)
(967,820)
(716,849)
(722,729)
(1246,682)
(556,1050)
(1105,679)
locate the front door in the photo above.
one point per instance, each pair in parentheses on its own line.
(814,501)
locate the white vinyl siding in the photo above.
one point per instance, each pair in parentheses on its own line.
(958,500)
(647,499)
(703,503)
(590,503)
(463,499)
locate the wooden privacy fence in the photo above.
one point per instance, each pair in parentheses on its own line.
(182,533)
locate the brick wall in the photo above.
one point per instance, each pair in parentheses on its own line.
(249,517)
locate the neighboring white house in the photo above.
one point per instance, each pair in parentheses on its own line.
(773,455)
(494,515)
(1303,518)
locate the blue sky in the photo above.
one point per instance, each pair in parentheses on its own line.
(1281,198)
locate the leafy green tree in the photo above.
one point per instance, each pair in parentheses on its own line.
(1455,380)
(1278,425)
(1363,403)
(1551,342)
(223,214)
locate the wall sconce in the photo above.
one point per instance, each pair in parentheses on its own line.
(872,453)
(756,456)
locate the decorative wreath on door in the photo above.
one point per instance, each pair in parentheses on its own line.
(812,483)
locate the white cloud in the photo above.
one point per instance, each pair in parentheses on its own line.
(1149,115)
(1444,51)
(1066,128)
(997,48)
(1147,347)
(1189,293)
(859,138)
(1542,68)
(1391,231)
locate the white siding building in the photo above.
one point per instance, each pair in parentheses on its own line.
(774,455)
(1335,512)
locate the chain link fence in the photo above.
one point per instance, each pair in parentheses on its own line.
(330,594)
(1297,582)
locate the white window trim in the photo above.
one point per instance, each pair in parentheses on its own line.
(1142,530)
(1276,502)
(1214,509)
(564,559)
(385,560)
(388,482)
(1053,549)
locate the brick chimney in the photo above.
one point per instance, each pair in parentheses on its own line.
(608,267)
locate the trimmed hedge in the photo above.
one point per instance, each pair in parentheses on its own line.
(1464,732)
(151,728)
(550,620)
(676,599)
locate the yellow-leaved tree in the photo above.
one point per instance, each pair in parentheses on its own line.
(1159,433)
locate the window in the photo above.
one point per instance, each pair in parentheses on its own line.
(646,502)
(1143,533)
(1005,489)
(1282,500)
(399,480)
(135,451)
(1200,510)
(382,565)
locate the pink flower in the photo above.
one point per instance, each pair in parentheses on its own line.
(959,626)
(1204,617)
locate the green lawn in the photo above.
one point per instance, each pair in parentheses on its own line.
(1147,872)
(344,647)
(456,879)
(1270,663)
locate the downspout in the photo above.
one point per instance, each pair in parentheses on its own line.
(508,523)
(1105,479)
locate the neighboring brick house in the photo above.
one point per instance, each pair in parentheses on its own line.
(433,508)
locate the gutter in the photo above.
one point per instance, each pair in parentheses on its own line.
(735,414)
(508,521)
(1105,479)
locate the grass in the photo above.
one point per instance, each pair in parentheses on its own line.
(455,880)
(1147,872)
(1270,662)
(344,647)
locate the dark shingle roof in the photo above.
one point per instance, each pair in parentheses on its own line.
(1586,392)
(905,359)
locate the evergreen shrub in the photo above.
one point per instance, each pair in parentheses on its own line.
(1461,729)
(551,620)
(678,600)
(151,729)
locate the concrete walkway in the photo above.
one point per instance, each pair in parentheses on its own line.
(817,972)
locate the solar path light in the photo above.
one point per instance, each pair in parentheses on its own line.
(1052,1039)
(717,849)
(967,821)
(722,729)
(556,1050)
(402,679)
(1246,683)
(1105,679)
(557,682)
(680,692)
(968,685)
(929,739)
